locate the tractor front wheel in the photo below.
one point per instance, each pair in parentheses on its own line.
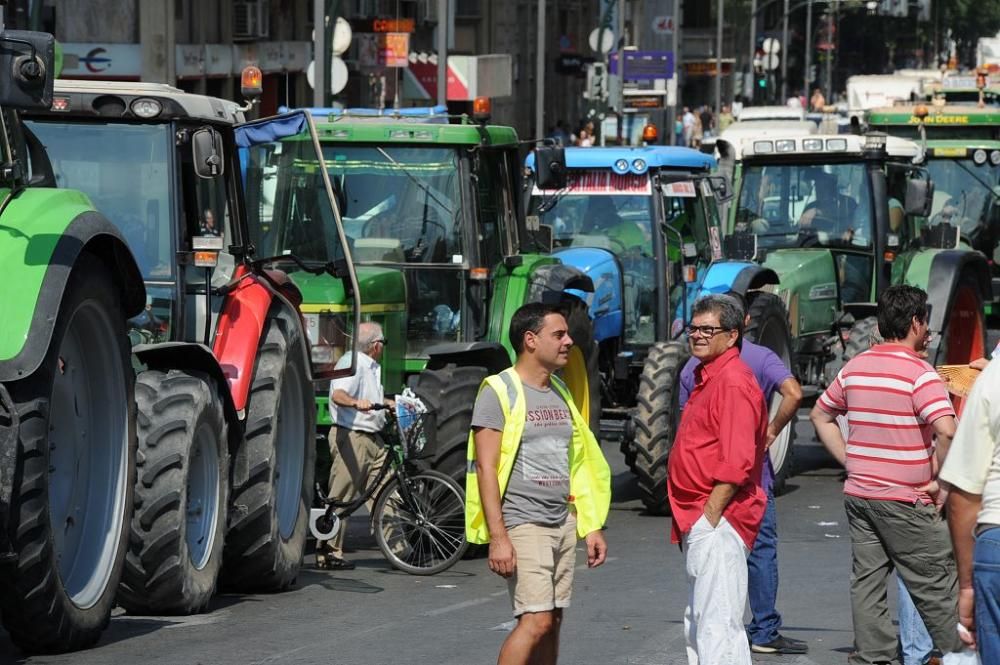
(656,419)
(769,327)
(181,494)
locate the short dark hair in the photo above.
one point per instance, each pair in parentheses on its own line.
(529,317)
(728,309)
(897,307)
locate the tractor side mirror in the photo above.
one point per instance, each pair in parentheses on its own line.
(720,185)
(540,236)
(26,69)
(550,167)
(206,145)
(919,196)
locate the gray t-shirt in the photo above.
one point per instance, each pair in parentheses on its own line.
(538,491)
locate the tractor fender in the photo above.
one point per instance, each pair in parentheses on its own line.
(605,300)
(947,269)
(90,232)
(197,357)
(492,356)
(241,324)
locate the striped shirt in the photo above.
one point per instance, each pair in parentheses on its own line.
(891,397)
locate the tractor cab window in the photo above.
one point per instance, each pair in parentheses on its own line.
(685,212)
(401,204)
(130,184)
(601,209)
(494,185)
(794,205)
(966,196)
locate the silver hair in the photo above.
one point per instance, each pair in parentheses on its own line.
(728,309)
(368,333)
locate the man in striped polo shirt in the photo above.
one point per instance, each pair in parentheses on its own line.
(895,404)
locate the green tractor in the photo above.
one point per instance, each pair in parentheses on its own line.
(963,158)
(67,415)
(839,218)
(430,211)
(220,357)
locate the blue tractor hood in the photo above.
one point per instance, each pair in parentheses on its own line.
(605,302)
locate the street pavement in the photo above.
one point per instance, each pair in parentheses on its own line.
(628,612)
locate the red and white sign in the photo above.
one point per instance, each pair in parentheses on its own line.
(663,25)
(684,190)
(603,183)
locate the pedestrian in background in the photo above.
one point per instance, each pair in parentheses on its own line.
(895,403)
(357,452)
(972,471)
(538,480)
(713,484)
(707,119)
(725,118)
(772,376)
(688,120)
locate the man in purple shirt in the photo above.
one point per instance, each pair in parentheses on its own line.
(772,376)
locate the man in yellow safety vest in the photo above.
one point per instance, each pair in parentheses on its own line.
(537,480)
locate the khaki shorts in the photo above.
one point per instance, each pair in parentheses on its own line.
(546,557)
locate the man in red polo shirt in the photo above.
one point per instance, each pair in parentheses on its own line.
(895,403)
(713,482)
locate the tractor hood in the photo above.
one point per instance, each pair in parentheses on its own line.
(379,286)
(605,301)
(808,287)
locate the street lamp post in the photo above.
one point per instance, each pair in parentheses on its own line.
(749,91)
(807,79)
(784,54)
(718,63)
(442,82)
(540,75)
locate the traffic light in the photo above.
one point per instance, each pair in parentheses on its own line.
(597,82)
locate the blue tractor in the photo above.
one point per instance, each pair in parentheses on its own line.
(644,224)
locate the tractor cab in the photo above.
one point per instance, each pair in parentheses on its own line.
(165,167)
(962,143)
(653,212)
(839,218)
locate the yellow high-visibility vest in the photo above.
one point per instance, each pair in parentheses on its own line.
(589,473)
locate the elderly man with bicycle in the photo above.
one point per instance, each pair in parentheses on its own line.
(357,453)
(537,481)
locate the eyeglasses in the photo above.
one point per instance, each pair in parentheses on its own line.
(380,339)
(705,331)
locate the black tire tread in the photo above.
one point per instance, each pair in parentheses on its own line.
(37,613)
(158,579)
(764,307)
(256,557)
(451,393)
(656,418)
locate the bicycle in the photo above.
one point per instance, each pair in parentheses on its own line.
(419,515)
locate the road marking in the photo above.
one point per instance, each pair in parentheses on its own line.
(457,606)
(177,621)
(506,626)
(608,560)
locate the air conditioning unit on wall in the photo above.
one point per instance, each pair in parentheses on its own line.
(251,19)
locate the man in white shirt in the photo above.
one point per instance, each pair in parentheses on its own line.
(357,452)
(972,469)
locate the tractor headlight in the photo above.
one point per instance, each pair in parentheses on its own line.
(995,158)
(979,157)
(621,166)
(146,108)
(639,165)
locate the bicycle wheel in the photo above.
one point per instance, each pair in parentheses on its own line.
(420,528)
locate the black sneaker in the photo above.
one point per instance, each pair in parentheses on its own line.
(328,562)
(781,644)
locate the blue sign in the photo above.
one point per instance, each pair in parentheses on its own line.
(644,65)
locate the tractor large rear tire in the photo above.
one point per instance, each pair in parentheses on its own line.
(273,469)
(656,419)
(861,336)
(583,374)
(964,337)
(769,327)
(181,495)
(451,393)
(73,479)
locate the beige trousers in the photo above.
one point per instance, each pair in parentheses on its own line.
(357,458)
